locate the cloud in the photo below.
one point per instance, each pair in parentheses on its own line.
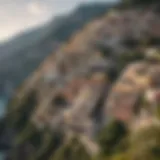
(36,8)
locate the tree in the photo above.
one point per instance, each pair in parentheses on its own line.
(111,137)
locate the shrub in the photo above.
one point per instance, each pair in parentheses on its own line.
(111,137)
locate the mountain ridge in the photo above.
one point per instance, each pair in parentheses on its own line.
(40,43)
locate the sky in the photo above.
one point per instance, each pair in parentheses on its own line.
(19,15)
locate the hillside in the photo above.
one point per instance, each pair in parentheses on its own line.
(96,97)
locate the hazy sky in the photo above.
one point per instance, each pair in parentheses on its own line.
(18,15)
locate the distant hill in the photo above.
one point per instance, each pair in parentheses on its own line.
(21,55)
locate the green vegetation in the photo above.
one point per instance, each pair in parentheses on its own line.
(158,112)
(50,142)
(71,151)
(44,143)
(145,144)
(121,156)
(111,138)
(28,132)
(20,111)
(127,58)
(141,145)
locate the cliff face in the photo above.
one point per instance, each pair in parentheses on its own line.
(80,87)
